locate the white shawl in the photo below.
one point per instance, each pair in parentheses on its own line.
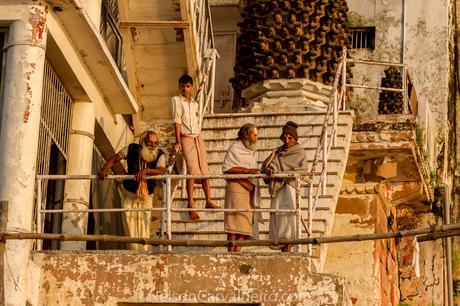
(239,156)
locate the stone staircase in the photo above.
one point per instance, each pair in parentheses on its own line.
(219,132)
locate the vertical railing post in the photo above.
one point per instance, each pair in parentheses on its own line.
(168,211)
(335,117)
(163,212)
(404,88)
(213,80)
(39,212)
(201,101)
(298,212)
(344,78)
(325,156)
(310,220)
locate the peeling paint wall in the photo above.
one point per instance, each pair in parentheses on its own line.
(111,278)
(420,271)
(376,282)
(424,29)
(385,16)
(391,272)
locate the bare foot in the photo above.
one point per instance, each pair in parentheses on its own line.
(211,205)
(194,216)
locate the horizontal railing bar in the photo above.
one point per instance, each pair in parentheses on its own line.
(435,230)
(97,210)
(378,63)
(376,88)
(173,176)
(233,210)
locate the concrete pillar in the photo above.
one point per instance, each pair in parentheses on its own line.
(80,158)
(25,58)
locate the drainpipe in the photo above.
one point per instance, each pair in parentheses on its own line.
(448,245)
(403,32)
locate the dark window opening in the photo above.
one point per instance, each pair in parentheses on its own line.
(110,31)
(363,38)
(54,198)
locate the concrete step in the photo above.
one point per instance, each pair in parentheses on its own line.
(218,193)
(262,153)
(219,132)
(324,202)
(331,166)
(332,179)
(268,144)
(189,226)
(218,190)
(211,215)
(269,132)
(272,119)
(310,161)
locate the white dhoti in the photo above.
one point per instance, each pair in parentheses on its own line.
(282,224)
(140,224)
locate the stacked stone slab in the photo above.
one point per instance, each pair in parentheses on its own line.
(391,102)
(289,39)
(219,132)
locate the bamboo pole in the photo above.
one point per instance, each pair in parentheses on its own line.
(438,235)
(433,232)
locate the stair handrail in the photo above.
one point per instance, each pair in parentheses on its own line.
(206,54)
(332,109)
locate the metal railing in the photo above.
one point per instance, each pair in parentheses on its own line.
(205,53)
(405,81)
(337,102)
(167,209)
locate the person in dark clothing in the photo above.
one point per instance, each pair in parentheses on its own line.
(142,159)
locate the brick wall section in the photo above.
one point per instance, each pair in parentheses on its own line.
(385,257)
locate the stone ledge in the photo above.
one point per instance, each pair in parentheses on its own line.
(107,279)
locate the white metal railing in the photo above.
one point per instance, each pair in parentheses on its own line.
(167,209)
(206,54)
(337,102)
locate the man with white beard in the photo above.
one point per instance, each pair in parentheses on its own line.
(142,159)
(241,158)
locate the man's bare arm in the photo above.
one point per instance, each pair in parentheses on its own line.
(156,171)
(108,165)
(178,144)
(242,170)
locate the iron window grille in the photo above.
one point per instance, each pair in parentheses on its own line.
(363,38)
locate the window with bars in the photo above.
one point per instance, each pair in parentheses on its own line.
(110,31)
(53,144)
(363,38)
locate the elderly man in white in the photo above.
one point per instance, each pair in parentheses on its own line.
(241,158)
(145,158)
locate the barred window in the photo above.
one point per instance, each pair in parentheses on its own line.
(109,29)
(363,38)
